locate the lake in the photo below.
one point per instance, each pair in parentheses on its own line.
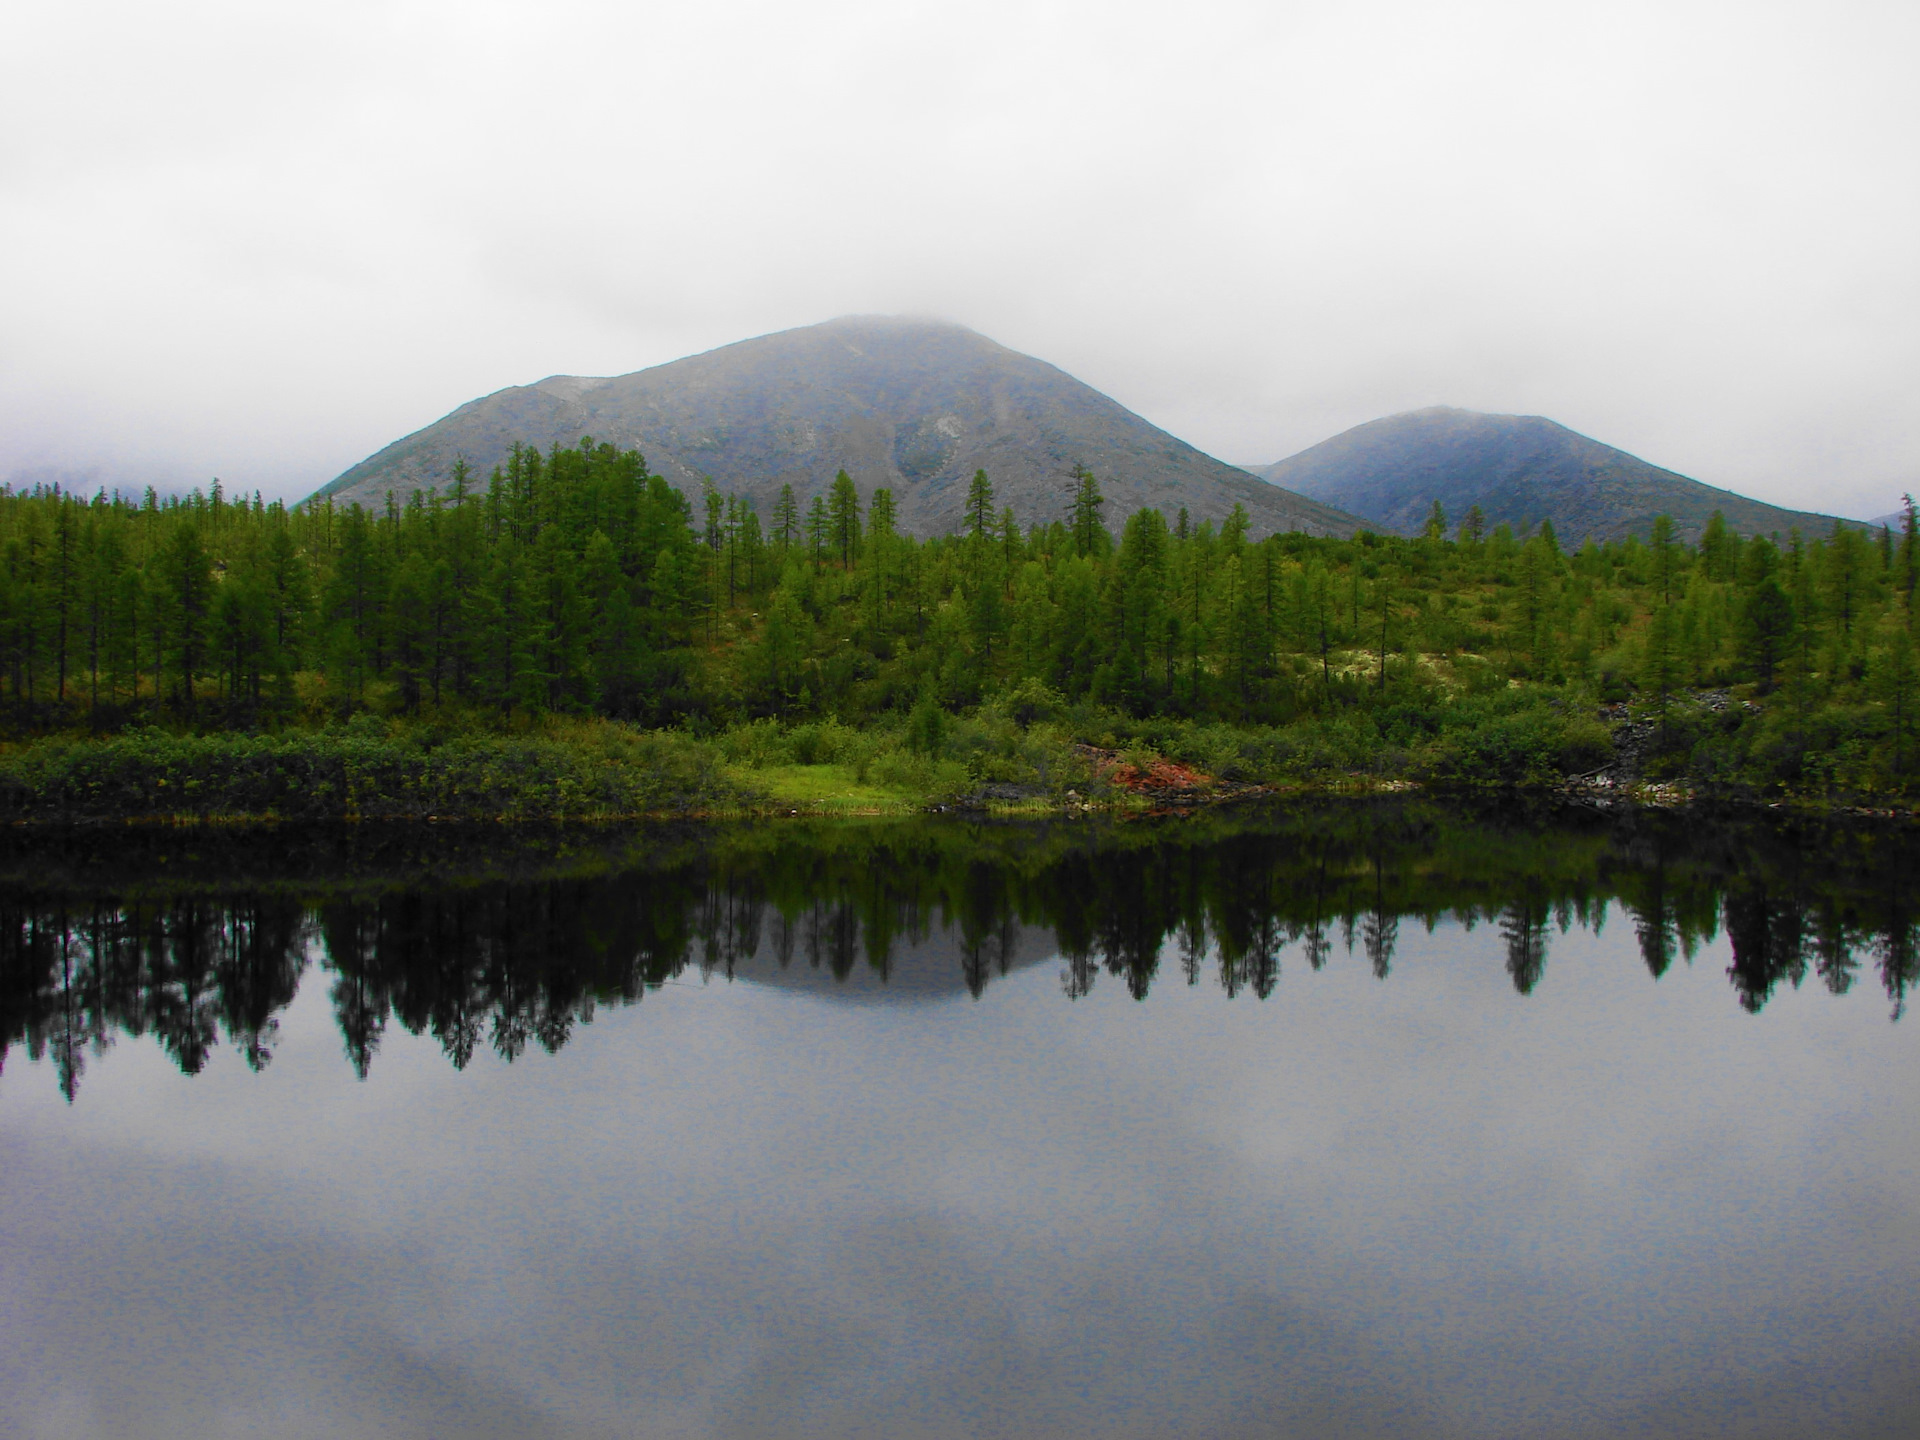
(1367,1119)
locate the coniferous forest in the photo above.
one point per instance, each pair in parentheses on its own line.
(576,613)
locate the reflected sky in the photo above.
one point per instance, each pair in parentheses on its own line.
(1430,1204)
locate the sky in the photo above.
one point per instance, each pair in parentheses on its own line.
(259,241)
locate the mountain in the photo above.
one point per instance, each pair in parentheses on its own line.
(935,966)
(1520,470)
(917,405)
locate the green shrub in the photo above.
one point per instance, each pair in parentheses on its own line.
(363,770)
(1482,746)
(927,726)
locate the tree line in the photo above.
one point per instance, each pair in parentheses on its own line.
(577,581)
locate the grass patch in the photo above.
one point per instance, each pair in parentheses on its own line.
(827,789)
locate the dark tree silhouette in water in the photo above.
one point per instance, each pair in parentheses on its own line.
(1524,928)
(1381,931)
(519,962)
(1767,934)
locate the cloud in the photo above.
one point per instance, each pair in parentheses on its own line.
(264,241)
(1428,1206)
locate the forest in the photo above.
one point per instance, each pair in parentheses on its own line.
(573,594)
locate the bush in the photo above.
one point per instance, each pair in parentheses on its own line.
(365,770)
(1525,747)
(1030,702)
(927,727)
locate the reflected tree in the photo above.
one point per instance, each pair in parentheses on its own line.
(1380,932)
(180,943)
(1523,926)
(1766,934)
(522,957)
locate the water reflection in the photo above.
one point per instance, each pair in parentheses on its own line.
(1536,1173)
(514,943)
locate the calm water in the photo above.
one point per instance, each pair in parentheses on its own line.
(1358,1121)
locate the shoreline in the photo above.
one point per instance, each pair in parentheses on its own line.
(596,773)
(1125,806)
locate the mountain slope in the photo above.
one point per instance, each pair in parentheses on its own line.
(1520,470)
(912,404)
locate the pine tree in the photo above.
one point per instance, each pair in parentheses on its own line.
(782,648)
(1845,562)
(103,589)
(843,510)
(1899,685)
(1766,631)
(716,513)
(445,635)
(1141,582)
(1089,535)
(980,512)
(63,582)
(730,546)
(819,527)
(1659,670)
(187,576)
(1909,558)
(1719,549)
(1318,619)
(354,593)
(242,626)
(879,563)
(1664,557)
(289,597)
(986,605)
(786,521)
(1242,644)
(752,549)
(559,624)
(1383,603)
(410,626)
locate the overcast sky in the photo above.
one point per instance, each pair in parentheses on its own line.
(261,240)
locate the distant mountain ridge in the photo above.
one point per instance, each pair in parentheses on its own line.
(917,405)
(1520,470)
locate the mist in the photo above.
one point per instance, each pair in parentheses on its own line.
(261,242)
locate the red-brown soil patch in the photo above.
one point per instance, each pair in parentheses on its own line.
(1165,781)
